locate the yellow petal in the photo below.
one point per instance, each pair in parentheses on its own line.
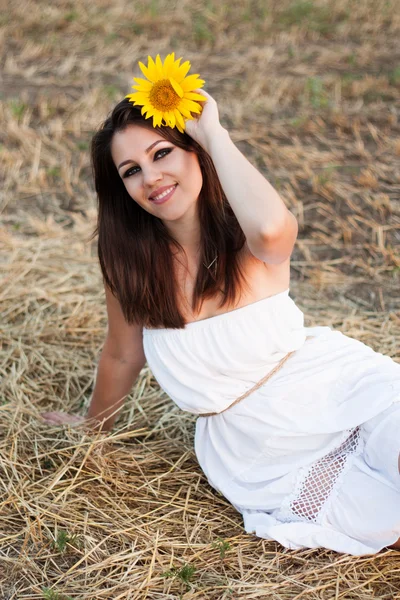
(169,64)
(176,67)
(140,98)
(146,85)
(185,112)
(157,119)
(149,110)
(147,72)
(141,88)
(192,82)
(193,96)
(170,118)
(176,87)
(192,106)
(153,69)
(181,129)
(159,67)
(182,71)
(179,119)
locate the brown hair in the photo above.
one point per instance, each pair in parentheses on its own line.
(134,247)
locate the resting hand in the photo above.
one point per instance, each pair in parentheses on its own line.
(62,418)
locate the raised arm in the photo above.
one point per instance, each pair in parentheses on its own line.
(269,227)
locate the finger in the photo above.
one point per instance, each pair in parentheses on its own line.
(77,419)
(60,418)
(51,421)
(56,421)
(203,92)
(49,416)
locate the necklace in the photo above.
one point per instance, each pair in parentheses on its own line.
(211,263)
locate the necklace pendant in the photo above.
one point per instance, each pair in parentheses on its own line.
(211,263)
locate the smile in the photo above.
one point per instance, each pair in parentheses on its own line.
(164,196)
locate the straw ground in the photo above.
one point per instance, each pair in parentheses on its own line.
(310,93)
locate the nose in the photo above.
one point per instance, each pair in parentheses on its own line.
(151,175)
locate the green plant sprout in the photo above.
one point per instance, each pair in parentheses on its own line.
(49,594)
(63,538)
(222,546)
(185,573)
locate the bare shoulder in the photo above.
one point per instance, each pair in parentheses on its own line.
(124,340)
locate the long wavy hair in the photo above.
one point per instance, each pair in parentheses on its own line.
(135,248)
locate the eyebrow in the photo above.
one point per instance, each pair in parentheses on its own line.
(147,151)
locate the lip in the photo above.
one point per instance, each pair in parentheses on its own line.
(160,191)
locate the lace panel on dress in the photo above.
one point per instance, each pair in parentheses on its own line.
(317,482)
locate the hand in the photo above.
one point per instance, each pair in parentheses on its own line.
(62,418)
(204,126)
(89,425)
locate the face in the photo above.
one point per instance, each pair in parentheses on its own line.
(163,179)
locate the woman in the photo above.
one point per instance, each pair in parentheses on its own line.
(298,427)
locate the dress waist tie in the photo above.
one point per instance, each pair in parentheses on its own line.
(255,386)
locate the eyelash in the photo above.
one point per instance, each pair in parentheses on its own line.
(128,173)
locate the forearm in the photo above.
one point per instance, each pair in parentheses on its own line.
(114,381)
(256,204)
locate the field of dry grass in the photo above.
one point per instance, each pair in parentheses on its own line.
(310,91)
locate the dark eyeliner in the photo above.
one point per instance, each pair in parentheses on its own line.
(167,150)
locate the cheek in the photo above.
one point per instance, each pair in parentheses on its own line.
(133,190)
(199,181)
(196,176)
(130,186)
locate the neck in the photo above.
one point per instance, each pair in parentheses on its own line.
(187,233)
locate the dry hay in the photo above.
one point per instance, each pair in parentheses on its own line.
(129,514)
(106,515)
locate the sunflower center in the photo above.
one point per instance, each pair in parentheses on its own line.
(163,96)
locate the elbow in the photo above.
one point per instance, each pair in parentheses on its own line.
(275,247)
(124,355)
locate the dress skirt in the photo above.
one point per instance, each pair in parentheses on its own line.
(362,516)
(321,442)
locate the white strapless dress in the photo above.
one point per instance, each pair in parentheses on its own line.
(310,458)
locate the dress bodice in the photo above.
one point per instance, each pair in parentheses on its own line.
(206,365)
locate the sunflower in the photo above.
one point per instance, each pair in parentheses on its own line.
(167,94)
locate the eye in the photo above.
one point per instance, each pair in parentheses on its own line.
(159,154)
